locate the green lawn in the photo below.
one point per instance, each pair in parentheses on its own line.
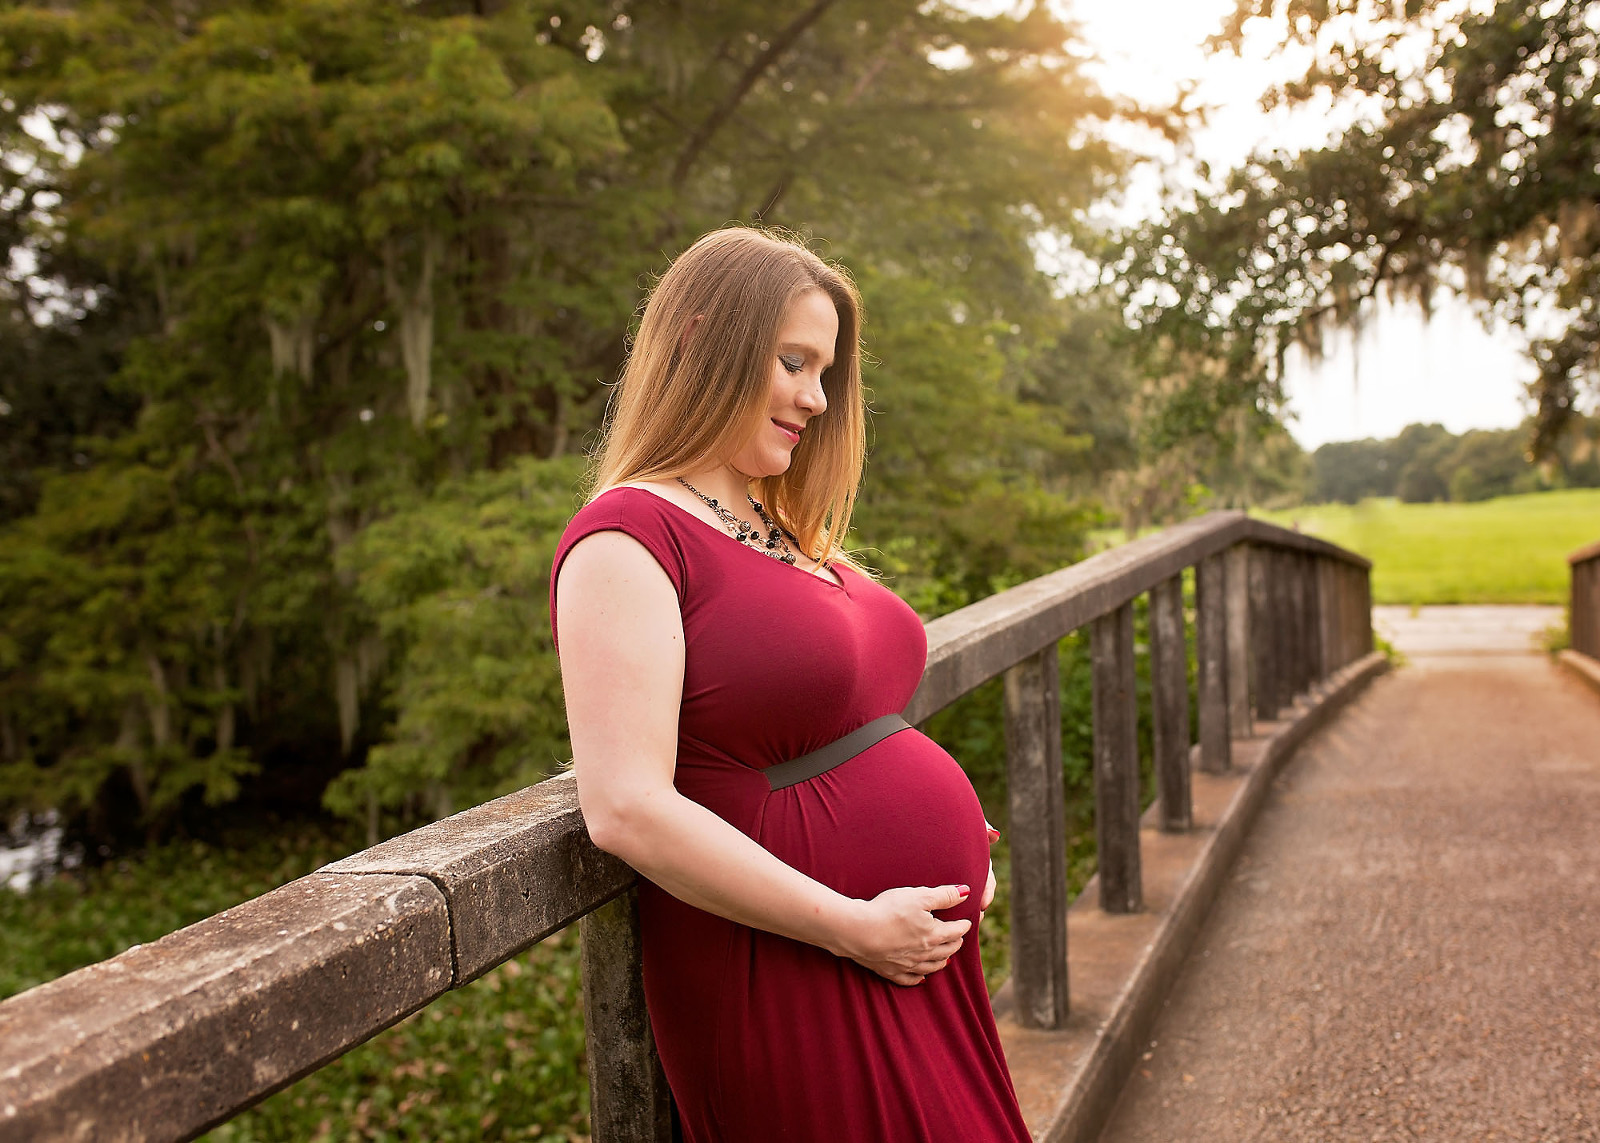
(1510,550)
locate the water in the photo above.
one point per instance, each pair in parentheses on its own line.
(31,849)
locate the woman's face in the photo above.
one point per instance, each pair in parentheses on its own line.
(805,349)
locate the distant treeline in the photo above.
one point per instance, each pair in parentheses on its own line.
(1426,463)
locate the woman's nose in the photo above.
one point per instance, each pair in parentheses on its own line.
(811,397)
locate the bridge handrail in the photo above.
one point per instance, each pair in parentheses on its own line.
(168,1039)
(1584,610)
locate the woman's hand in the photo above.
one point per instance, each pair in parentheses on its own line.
(897,936)
(988,889)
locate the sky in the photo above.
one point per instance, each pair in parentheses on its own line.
(1447,369)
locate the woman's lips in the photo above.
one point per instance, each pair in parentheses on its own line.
(792,434)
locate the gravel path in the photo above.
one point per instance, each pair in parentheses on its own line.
(1410,944)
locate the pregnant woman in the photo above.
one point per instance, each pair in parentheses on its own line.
(733,682)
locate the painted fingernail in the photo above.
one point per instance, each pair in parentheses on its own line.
(964,889)
(994,834)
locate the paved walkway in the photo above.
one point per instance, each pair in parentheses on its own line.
(1466,630)
(1410,944)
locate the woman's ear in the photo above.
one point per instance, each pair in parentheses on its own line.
(683,342)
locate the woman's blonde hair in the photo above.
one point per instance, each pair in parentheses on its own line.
(699,370)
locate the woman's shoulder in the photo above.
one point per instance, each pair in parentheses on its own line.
(617,506)
(633,511)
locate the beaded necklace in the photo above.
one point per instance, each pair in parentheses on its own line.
(746,533)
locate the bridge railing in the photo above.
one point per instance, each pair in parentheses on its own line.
(168,1039)
(1584,612)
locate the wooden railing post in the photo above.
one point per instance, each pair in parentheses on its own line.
(1313,580)
(1577,607)
(1350,590)
(1211,660)
(1284,632)
(1584,605)
(1036,803)
(628,1095)
(1328,619)
(1364,642)
(1169,703)
(1301,674)
(1116,761)
(1264,642)
(1302,625)
(1591,606)
(1238,575)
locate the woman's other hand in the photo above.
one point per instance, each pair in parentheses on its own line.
(898,937)
(989,886)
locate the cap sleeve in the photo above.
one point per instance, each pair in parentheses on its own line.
(631,511)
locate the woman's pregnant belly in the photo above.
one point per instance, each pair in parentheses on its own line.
(902,812)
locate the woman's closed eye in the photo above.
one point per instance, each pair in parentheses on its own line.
(793,362)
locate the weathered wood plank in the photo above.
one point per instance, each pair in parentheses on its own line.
(1239,690)
(628,1096)
(1037,833)
(1315,667)
(1584,602)
(1211,662)
(1116,761)
(1347,650)
(1264,645)
(1364,643)
(1301,672)
(1578,608)
(1327,619)
(1284,626)
(1586,553)
(1169,701)
(165,1040)
(514,870)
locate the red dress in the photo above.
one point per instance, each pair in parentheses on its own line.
(763,1037)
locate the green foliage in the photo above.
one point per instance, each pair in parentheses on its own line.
(1508,550)
(1426,463)
(320,263)
(461,584)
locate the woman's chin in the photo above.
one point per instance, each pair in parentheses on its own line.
(767,467)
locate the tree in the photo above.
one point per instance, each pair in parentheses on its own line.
(1486,464)
(1348,472)
(1477,169)
(381,260)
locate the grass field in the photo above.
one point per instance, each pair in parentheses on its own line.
(1510,550)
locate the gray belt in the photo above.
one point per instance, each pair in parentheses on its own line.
(835,753)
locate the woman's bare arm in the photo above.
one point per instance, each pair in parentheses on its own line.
(622,658)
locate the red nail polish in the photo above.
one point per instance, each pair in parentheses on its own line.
(965,889)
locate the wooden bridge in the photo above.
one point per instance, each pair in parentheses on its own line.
(1358,858)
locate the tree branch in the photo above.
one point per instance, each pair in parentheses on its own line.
(722,112)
